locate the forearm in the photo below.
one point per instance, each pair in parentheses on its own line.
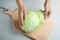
(19,3)
(47,4)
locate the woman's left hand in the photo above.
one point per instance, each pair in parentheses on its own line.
(47,11)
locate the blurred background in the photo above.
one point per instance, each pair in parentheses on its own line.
(8,33)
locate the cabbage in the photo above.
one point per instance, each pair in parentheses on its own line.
(33,21)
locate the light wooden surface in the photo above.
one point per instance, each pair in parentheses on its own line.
(40,34)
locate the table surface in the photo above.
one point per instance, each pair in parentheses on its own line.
(8,33)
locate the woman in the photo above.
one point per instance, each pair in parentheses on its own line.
(22,10)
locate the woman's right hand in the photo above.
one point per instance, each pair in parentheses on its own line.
(21,12)
(22,15)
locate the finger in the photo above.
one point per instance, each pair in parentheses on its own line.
(21,18)
(19,21)
(49,13)
(45,15)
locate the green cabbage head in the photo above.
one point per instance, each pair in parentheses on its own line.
(33,21)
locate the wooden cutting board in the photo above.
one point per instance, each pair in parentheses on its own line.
(40,34)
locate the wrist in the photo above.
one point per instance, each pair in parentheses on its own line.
(19,3)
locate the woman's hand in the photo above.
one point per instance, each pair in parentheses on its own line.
(22,15)
(21,12)
(47,11)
